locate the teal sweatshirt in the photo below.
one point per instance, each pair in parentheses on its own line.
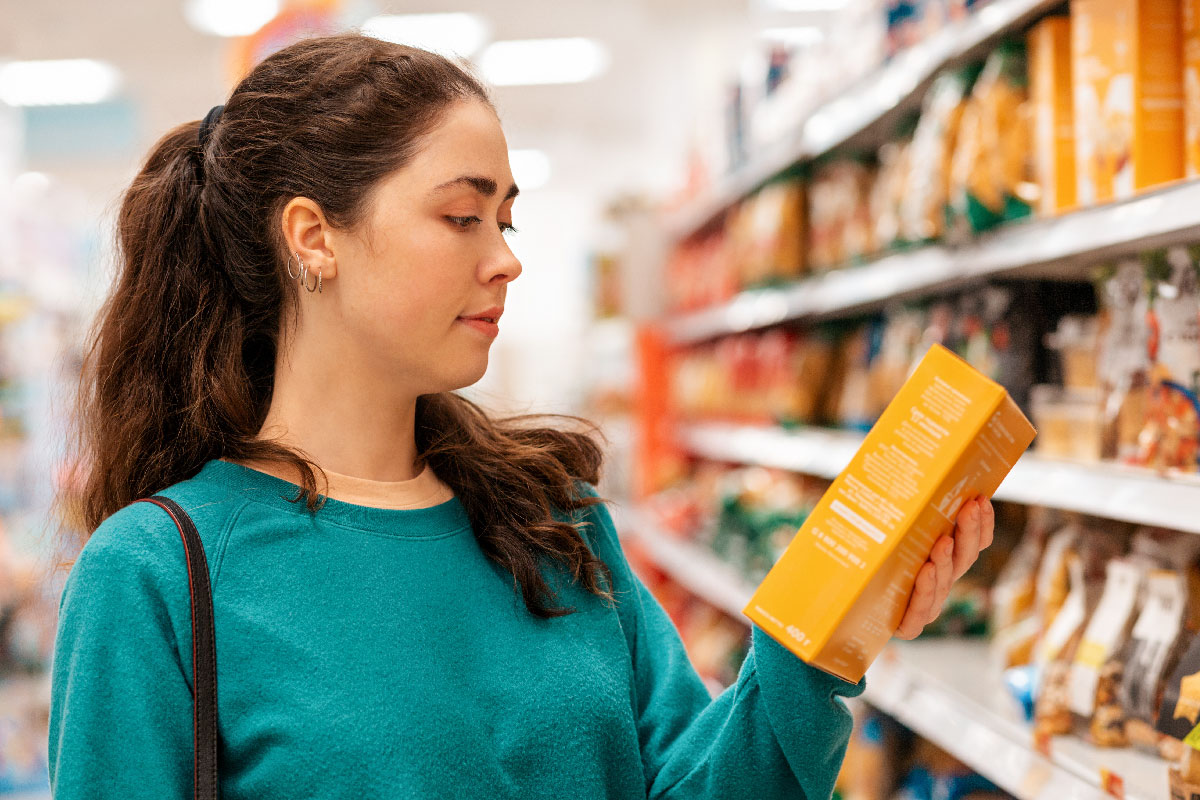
(377,653)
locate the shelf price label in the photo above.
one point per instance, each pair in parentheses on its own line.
(1112,784)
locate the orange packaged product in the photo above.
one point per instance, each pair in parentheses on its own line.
(1050,90)
(1191,86)
(1128,74)
(840,589)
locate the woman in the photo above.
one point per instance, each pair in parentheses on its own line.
(305,277)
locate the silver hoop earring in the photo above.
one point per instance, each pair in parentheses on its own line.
(299,263)
(316,285)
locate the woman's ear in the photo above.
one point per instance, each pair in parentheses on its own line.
(308,235)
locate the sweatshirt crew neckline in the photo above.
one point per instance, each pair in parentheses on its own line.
(429,522)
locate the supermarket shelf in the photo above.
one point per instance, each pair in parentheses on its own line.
(948,691)
(1123,493)
(945,690)
(691,566)
(1066,246)
(871,102)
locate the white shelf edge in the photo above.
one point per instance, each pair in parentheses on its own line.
(863,104)
(1070,245)
(696,569)
(1128,494)
(997,748)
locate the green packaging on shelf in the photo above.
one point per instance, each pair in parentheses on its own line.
(840,589)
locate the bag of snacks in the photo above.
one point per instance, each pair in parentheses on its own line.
(923,214)
(991,171)
(1124,359)
(1170,435)
(1095,676)
(1153,651)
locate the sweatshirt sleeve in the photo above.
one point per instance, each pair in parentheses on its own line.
(780,731)
(121,699)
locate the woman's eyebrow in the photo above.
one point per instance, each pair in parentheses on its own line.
(485,186)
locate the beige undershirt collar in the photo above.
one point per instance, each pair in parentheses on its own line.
(423,491)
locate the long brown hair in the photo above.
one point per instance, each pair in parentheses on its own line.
(180,365)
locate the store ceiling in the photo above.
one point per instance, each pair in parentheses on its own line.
(623,130)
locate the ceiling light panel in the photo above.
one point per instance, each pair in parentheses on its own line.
(525,62)
(530,168)
(63,82)
(449,34)
(230,17)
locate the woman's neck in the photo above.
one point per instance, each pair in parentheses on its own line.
(342,416)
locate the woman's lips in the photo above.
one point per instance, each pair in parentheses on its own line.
(490,329)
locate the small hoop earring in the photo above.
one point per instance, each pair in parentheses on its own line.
(316,285)
(299,263)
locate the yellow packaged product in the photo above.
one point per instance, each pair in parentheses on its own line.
(1128,74)
(1050,89)
(840,589)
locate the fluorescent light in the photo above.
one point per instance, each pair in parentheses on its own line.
(448,34)
(803,36)
(807,5)
(31,184)
(230,17)
(65,82)
(530,168)
(521,62)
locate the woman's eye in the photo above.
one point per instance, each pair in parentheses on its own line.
(465,222)
(507,227)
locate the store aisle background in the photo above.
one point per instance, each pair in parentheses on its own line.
(739,231)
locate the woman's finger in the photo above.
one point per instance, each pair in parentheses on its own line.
(943,563)
(919,604)
(989,523)
(966,538)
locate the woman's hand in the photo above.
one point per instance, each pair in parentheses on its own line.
(949,560)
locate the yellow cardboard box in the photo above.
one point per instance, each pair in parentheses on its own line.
(1191,86)
(1050,91)
(840,589)
(1127,59)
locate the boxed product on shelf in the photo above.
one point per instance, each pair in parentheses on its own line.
(1128,74)
(1051,91)
(1191,87)
(839,591)
(991,170)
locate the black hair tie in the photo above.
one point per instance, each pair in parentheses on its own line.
(207,124)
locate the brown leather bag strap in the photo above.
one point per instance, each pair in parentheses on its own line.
(204,653)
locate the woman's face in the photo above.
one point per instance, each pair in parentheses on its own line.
(431,252)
